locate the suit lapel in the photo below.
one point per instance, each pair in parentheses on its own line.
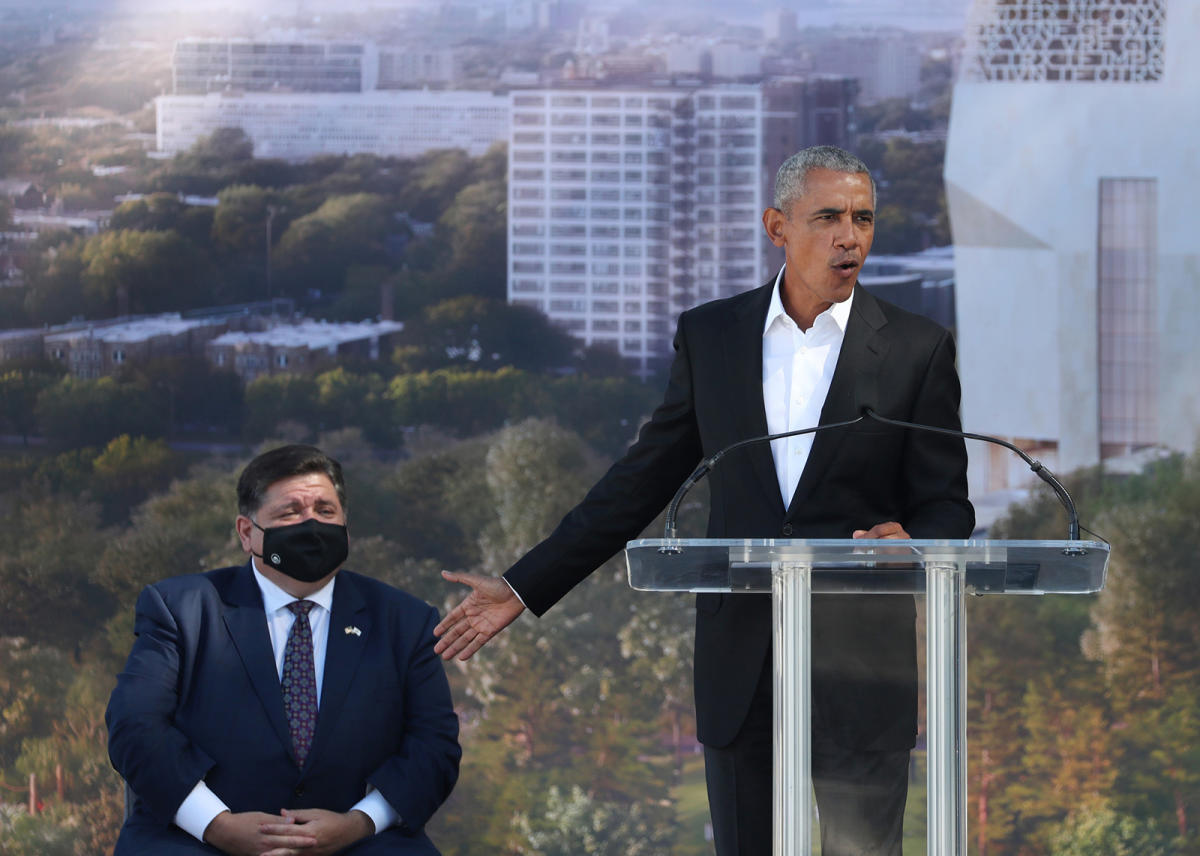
(743,347)
(349,631)
(855,384)
(247,626)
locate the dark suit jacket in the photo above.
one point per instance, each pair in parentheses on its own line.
(864,648)
(200,699)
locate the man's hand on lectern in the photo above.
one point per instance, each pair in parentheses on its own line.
(490,607)
(891,529)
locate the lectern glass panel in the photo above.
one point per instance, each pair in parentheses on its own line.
(944,571)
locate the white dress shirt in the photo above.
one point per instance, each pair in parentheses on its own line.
(797,371)
(199,808)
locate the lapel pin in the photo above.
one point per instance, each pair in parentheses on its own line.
(350,628)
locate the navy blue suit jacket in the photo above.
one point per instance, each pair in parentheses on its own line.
(864,647)
(200,699)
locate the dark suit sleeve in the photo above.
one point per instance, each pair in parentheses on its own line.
(155,758)
(624,501)
(935,465)
(418,778)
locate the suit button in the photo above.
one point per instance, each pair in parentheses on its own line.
(787,529)
(298,790)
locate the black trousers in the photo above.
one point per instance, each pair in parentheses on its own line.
(860,795)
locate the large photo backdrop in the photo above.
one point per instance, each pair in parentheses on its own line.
(448,243)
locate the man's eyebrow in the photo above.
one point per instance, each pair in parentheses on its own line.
(829,210)
(284,504)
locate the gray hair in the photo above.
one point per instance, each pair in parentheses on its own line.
(790,179)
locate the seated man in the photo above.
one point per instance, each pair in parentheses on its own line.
(284,706)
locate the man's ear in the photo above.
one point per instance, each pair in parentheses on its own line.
(773,222)
(245,528)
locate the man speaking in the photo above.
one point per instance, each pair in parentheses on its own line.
(810,347)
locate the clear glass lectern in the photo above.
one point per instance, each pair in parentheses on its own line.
(945,571)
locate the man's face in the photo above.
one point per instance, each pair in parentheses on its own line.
(291,500)
(826,237)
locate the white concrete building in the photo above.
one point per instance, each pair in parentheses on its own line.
(301,348)
(1071,169)
(200,65)
(102,348)
(300,125)
(628,206)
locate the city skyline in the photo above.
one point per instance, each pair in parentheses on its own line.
(906,14)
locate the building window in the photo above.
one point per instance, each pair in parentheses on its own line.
(567,305)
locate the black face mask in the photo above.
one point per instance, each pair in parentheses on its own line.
(305,551)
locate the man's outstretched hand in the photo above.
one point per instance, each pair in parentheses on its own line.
(489,608)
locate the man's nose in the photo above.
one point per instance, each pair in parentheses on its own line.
(845,237)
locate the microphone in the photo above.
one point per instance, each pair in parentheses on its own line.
(867,412)
(1040,469)
(669,530)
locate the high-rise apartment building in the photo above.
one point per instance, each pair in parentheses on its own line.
(628,206)
(1070,158)
(886,64)
(297,65)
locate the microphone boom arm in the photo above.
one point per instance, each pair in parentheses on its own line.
(669,529)
(1036,466)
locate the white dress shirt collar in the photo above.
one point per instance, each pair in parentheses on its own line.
(839,313)
(275,598)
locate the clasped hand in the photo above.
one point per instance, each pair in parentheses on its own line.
(300,832)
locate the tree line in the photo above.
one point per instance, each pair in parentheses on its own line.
(334,233)
(1084,712)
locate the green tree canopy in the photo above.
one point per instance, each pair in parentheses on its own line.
(240,222)
(479,332)
(49,545)
(55,282)
(74,412)
(317,248)
(126,272)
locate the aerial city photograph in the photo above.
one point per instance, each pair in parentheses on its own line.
(473,426)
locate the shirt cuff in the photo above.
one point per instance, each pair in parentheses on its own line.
(374,806)
(198,809)
(514,591)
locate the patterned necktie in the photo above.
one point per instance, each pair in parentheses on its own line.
(299,680)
